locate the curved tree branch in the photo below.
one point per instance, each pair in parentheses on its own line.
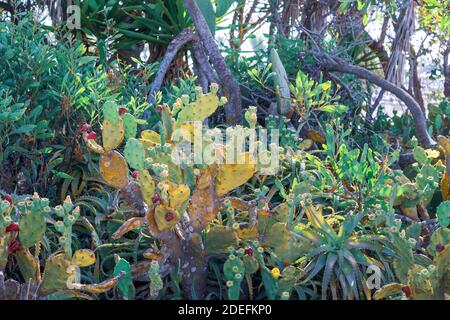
(331,63)
(175,45)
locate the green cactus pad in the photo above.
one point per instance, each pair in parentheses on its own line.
(32,228)
(111,112)
(130,125)
(135,154)
(219,239)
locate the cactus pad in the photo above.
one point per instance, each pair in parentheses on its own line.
(32,228)
(112,134)
(83,258)
(166,217)
(204,106)
(114,169)
(57,273)
(135,154)
(130,125)
(111,112)
(231,176)
(219,239)
(147,186)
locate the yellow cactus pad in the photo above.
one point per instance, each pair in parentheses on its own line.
(92,145)
(147,186)
(150,138)
(388,290)
(178,195)
(199,110)
(28,265)
(231,176)
(204,201)
(114,169)
(112,134)
(83,258)
(57,273)
(248,233)
(166,217)
(445,143)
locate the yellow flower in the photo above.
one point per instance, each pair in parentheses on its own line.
(276,273)
(432,153)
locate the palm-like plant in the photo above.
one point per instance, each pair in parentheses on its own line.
(342,252)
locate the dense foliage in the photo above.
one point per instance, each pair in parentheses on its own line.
(93,205)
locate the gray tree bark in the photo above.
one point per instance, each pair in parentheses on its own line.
(229,86)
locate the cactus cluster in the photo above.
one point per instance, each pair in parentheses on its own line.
(28,221)
(421,279)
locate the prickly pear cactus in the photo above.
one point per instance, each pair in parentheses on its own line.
(135,154)
(57,274)
(200,109)
(231,176)
(112,134)
(147,185)
(234,271)
(111,112)
(156,283)
(114,169)
(130,125)
(32,221)
(220,238)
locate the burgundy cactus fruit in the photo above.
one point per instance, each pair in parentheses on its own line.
(135,174)
(92,135)
(13,227)
(440,247)
(170,216)
(8,198)
(122,111)
(85,127)
(14,246)
(156,199)
(407,291)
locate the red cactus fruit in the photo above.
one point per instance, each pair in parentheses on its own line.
(122,110)
(135,174)
(159,108)
(14,246)
(249,251)
(440,247)
(8,198)
(156,199)
(13,227)
(92,135)
(85,127)
(407,291)
(170,216)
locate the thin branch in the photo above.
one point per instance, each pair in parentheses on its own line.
(330,63)
(174,47)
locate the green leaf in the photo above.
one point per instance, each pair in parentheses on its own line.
(339,108)
(222,7)
(443,214)
(207,9)
(125,284)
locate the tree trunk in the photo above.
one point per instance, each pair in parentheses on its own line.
(447,71)
(230,87)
